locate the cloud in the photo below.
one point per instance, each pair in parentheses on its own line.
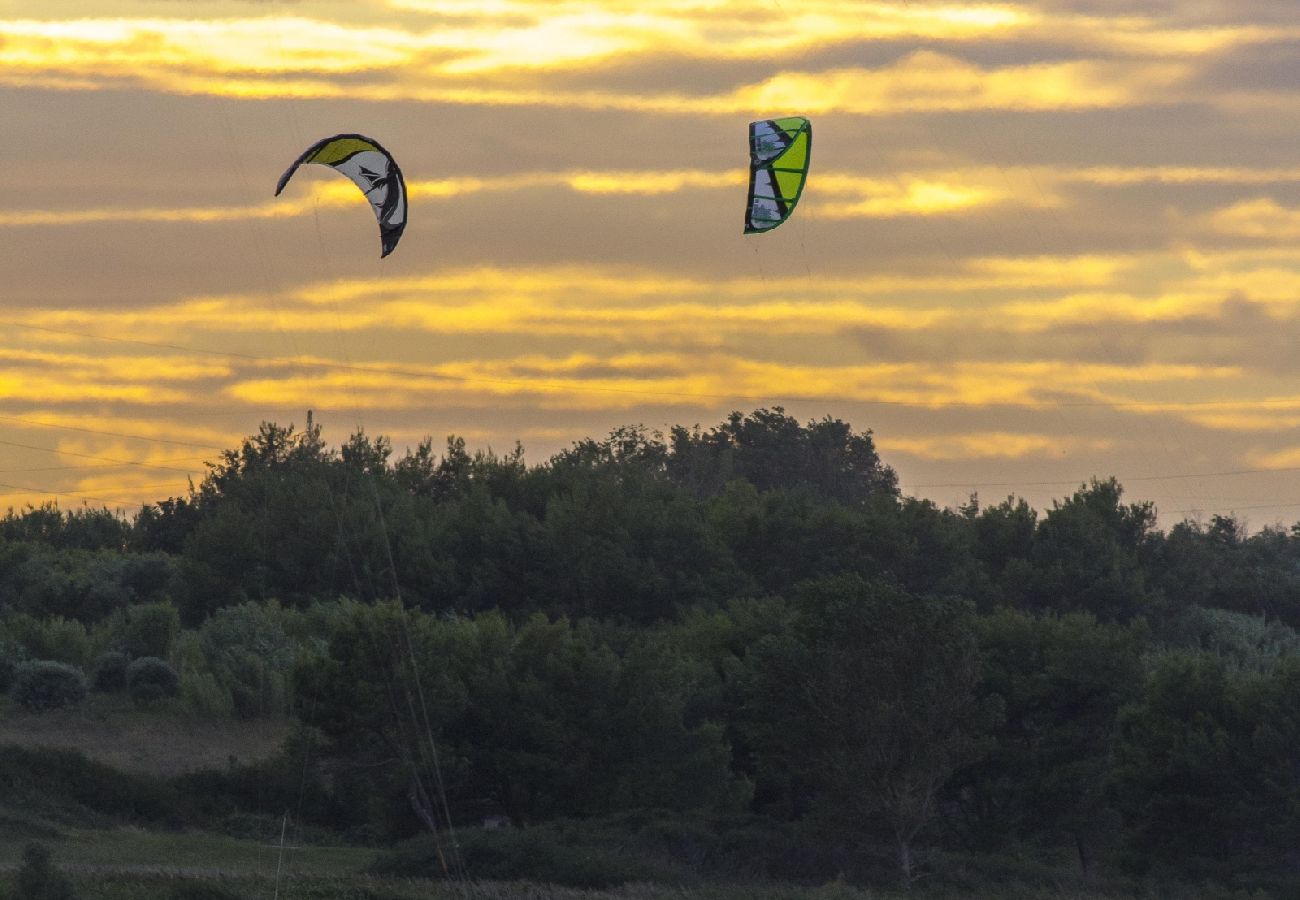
(927,81)
(990,445)
(1262,217)
(484,63)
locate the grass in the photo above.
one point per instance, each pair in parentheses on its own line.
(163,742)
(133,849)
(162,885)
(135,864)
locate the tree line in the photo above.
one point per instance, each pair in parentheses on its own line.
(745,620)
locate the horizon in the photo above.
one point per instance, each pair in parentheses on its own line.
(1040,242)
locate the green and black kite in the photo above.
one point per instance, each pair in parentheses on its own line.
(779,152)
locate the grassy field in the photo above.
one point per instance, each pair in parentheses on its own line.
(109,729)
(135,864)
(132,849)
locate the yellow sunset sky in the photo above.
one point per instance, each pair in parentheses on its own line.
(1041,241)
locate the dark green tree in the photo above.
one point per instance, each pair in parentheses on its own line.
(1062,680)
(1090,553)
(871,697)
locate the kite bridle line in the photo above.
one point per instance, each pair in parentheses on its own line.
(427,756)
(421,722)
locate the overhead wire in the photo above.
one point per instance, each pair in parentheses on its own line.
(36,423)
(121,462)
(1222,474)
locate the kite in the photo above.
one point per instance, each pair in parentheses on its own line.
(779,152)
(371,168)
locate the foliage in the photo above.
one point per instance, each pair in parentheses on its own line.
(1062,681)
(1088,554)
(1206,766)
(10,655)
(44,685)
(66,785)
(146,629)
(744,618)
(39,880)
(1245,641)
(845,702)
(58,639)
(109,672)
(251,654)
(150,679)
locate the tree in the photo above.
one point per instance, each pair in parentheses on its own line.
(1183,767)
(1208,771)
(382,688)
(1089,554)
(870,696)
(771,450)
(1063,680)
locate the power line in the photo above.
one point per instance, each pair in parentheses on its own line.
(138,437)
(1237,509)
(1224,474)
(123,462)
(79,494)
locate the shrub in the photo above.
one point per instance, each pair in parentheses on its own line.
(8,668)
(205,697)
(64,786)
(109,673)
(59,639)
(38,880)
(11,654)
(149,679)
(148,629)
(251,655)
(46,685)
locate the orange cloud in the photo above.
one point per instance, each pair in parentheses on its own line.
(990,445)
(476,62)
(1262,217)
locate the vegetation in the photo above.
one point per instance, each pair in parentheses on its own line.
(39,880)
(46,685)
(737,654)
(150,679)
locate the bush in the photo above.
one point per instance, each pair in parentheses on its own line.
(8,669)
(149,679)
(109,673)
(38,880)
(59,639)
(46,685)
(64,786)
(205,697)
(251,654)
(148,629)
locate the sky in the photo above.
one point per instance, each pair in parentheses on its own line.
(1041,241)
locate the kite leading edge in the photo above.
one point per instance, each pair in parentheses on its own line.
(371,168)
(779,153)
